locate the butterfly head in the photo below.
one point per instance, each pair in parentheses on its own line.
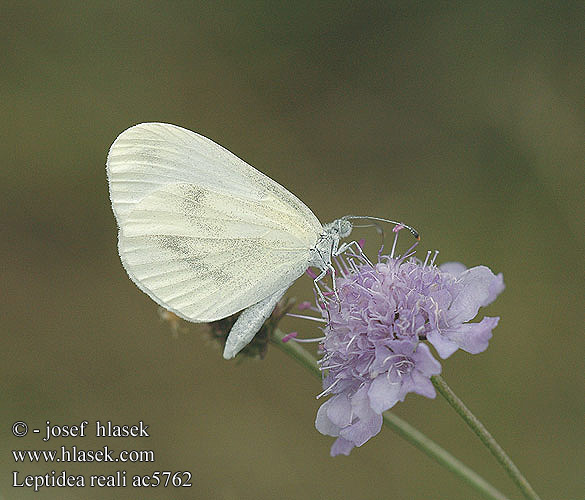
(340,228)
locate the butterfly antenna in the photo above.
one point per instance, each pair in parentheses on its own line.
(367,217)
(379,229)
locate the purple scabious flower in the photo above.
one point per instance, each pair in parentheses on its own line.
(374,350)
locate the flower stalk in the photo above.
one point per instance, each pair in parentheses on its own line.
(486,438)
(402,428)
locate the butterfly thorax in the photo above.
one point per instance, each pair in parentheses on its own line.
(328,243)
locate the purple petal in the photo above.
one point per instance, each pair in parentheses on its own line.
(362,430)
(341,447)
(380,363)
(473,291)
(324,424)
(497,286)
(443,345)
(425,362)
(339,410)
(422,385)
(454,268)
(443,299)
(473,337)
(405,347)
(383,394)
(360,403)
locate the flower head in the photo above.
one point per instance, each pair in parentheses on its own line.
(374,350)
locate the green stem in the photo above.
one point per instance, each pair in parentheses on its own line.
(403,429)
(485,437)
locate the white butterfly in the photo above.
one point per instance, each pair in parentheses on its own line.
(206,235)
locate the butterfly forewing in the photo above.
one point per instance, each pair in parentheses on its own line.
(150,155)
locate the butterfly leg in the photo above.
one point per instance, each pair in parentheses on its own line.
(334,283)
(346,246)
(316,284)
(249,322)
(321,301)
(316,281)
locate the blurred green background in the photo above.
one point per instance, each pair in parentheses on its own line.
(465,120)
